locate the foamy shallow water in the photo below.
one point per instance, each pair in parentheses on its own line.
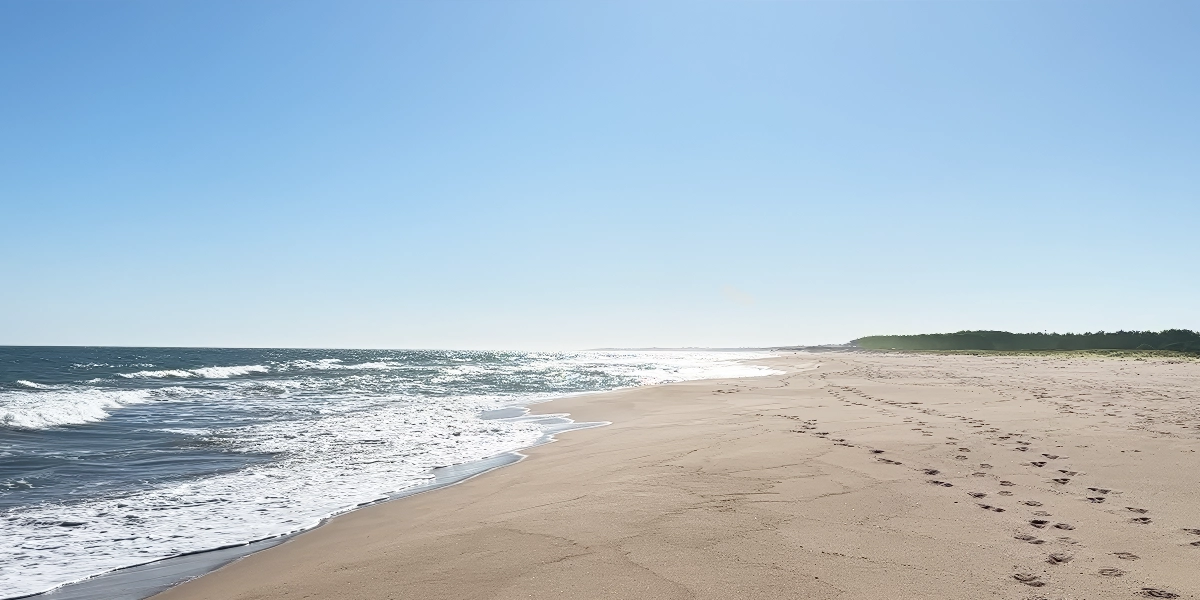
(118,457)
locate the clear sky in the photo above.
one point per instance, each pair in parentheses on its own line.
(569,174)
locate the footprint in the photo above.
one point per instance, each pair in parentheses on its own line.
(1029,579)
(1096,500)
(1004,493)
(876,451)
(991,508)
(1109,572)
(1140,520)
(1039,523)
(1062,480)
(1031,503)
(941,483)
(1040,513)
(1100,490)
(1051,456)
(1066,472)
(1064,526)
(1007,483)
(984,466)
(1157,593)
(1140,511)
(931,471)
(1038,463)
(976,494)
(1024,537)
(1059,558)
(1126,555)
(1192,531)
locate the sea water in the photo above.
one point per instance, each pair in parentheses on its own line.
(114,457)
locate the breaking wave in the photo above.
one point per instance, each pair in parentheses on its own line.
(53,408)
(203,372)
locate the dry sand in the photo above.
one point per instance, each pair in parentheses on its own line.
(852,475)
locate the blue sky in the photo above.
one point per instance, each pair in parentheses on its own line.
(521,174)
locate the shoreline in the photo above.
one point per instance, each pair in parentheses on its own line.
(549,408)
(146,580)
(850,475)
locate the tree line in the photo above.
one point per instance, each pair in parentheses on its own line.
(1182,340)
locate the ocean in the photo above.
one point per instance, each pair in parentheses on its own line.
(115,457)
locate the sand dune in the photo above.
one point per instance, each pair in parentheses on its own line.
(851,475)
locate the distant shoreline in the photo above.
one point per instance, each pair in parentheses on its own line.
(1179,340)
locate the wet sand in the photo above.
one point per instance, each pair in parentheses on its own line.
(851,475)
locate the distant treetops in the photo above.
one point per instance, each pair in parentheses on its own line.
(1182,340)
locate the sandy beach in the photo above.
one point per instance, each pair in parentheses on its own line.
(848,475)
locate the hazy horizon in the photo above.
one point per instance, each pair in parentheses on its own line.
(545,175)
(544,349)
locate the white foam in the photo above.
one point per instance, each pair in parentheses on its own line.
(378,366)
(203,372)
(31,385)
(324,364)
(642,367)
(328,465)
(227,372)
(52,408)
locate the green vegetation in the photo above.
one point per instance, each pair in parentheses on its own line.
(1179,340)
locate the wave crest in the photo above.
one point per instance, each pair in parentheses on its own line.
(203,372)
(227,372)
(45,409)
